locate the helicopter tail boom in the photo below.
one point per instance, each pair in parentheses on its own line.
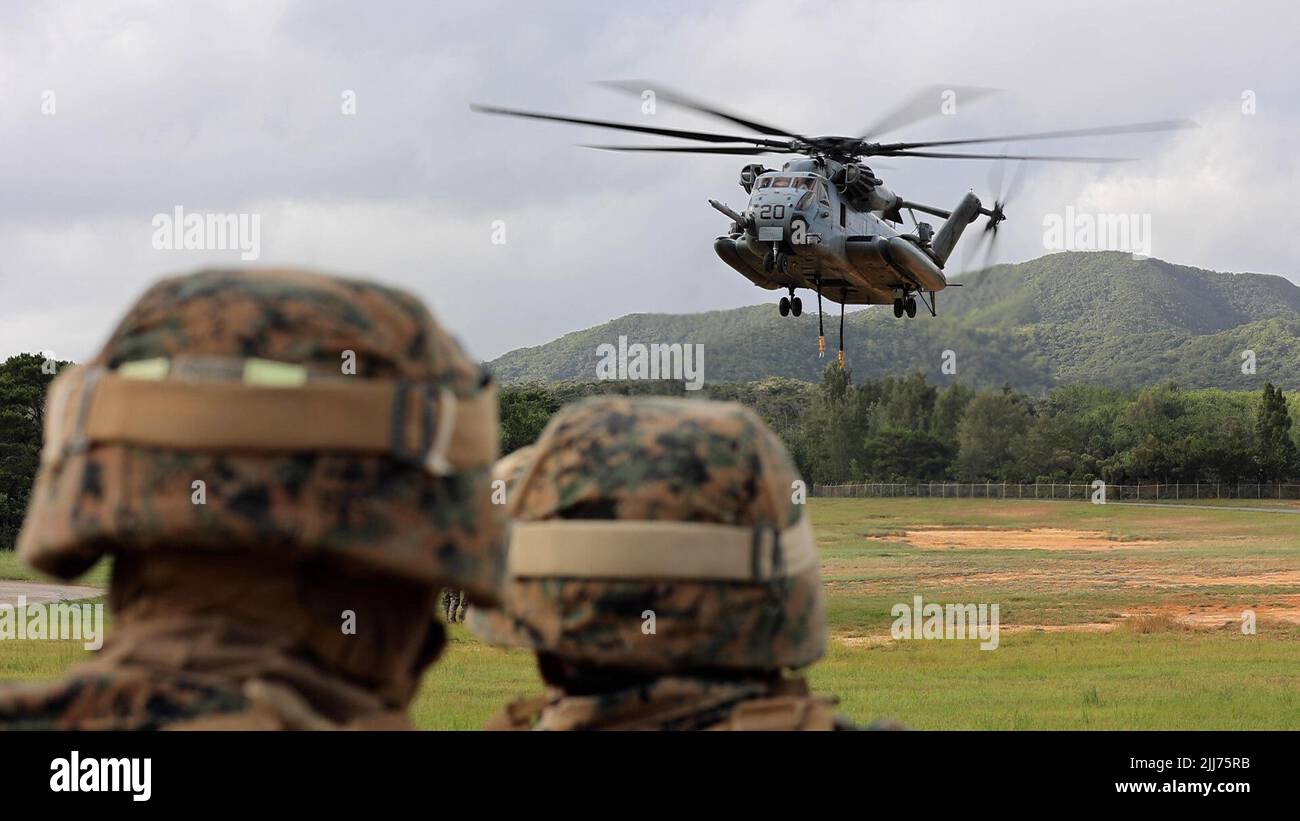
(946,238)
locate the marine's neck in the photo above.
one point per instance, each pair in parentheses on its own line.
(347,645)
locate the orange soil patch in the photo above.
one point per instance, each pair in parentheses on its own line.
(1085,627)
(1276,578)
(1039,538)
(865,641)
(1119,576)
(1003,630)
(1283,611)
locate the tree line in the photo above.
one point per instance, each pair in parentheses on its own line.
(904,428)
(890,429)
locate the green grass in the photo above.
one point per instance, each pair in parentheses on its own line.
(11,567)
(1071,681)
(37,660)
(471,682)
(1158,675)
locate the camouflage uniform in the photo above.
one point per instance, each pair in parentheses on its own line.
(286,468)
(661,570)
(452,605)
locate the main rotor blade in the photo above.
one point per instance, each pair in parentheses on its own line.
(943,155)
(1133,128)
(688,149)
(923,104)
(640,129)
(997,190)
(662,92)
(1017,182)
(995,178)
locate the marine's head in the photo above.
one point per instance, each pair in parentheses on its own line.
(316,432)
(655,535)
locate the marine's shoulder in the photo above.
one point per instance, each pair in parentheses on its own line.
(784,712)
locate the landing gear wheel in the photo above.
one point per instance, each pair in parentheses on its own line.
(796,306)
(898,307)
(910,307)
(784,306)
(769,262)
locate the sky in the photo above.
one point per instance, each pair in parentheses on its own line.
(345,130)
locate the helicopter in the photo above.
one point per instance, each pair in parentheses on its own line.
(825,221)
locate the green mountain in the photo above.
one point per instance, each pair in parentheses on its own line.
(1099,318)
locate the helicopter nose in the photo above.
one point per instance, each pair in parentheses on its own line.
(770,227)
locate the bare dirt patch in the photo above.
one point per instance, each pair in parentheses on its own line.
(1282,610)
(1124,575)
(1038,538)
(864,641)
(1085,627)
(1276,578)
(1167,618)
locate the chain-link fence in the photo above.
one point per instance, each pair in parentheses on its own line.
(1077,491)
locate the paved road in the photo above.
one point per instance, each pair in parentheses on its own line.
(44,592)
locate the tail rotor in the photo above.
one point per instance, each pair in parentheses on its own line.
(988,237)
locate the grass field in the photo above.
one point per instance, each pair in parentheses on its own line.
(1111,617)
(12,568)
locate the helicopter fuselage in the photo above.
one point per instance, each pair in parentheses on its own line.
(800,230)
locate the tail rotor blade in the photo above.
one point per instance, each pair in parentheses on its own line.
(988,249)
(972,251)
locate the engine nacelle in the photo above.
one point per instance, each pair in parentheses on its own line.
(863,189)
(749,174)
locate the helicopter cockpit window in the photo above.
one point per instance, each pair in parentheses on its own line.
(766,182)
(822,196)
(805,183)
(781,182)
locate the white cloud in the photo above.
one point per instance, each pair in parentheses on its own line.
(234,107)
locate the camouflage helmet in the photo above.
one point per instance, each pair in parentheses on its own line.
(675,510)
(276,411)
(509,468)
